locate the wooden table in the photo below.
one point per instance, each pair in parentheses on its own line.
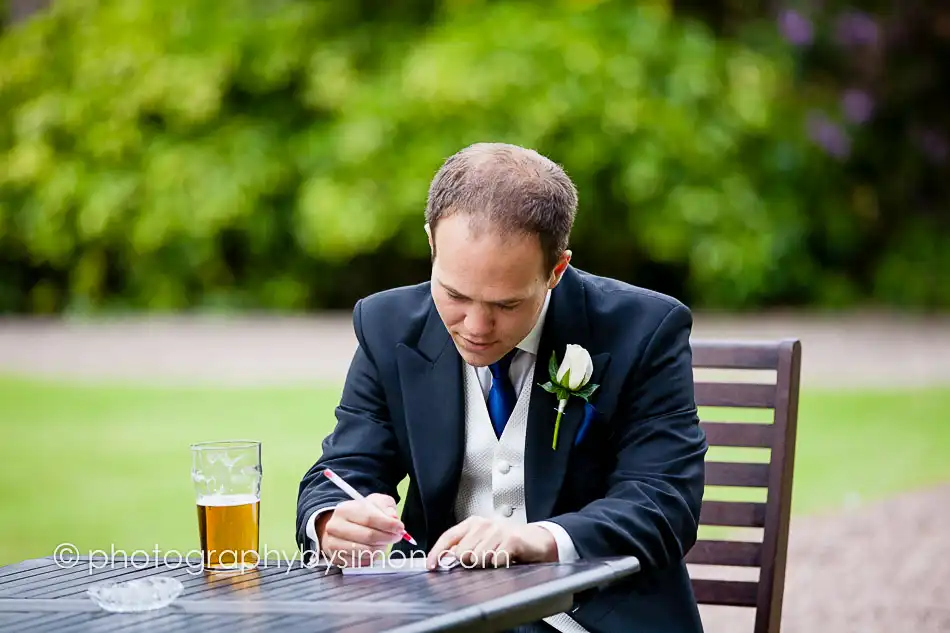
(40,595)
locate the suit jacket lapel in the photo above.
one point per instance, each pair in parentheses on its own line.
(431,382)
(545,467)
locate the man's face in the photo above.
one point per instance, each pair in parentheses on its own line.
(488,290)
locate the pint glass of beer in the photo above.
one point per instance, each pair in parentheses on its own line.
(227,479)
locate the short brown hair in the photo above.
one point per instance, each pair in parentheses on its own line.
(508,189)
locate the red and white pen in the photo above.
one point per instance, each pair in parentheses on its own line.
(354,494)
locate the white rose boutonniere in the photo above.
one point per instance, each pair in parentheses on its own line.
(570,378)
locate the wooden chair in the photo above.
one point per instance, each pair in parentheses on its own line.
(769,555)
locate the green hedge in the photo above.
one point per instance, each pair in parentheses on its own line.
(165,155)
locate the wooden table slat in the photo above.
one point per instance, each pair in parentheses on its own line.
(47,622)
(27,567)
(41,574)
(75,584)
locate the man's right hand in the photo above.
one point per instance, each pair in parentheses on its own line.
(358,531)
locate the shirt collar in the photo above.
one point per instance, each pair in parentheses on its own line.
(531,342)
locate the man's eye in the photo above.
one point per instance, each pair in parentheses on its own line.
(508,308)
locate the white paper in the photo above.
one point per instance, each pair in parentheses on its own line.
(399,565)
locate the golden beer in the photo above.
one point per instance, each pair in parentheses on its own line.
(227,479)
(229,527)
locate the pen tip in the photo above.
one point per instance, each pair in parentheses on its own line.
(411,540)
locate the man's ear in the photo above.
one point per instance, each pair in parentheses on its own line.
(429,236)
(559,268)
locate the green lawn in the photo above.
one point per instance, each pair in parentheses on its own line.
(97,465)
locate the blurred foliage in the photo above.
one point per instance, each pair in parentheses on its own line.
(875,79)
(277,154)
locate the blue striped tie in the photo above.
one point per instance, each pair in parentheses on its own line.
(501,398)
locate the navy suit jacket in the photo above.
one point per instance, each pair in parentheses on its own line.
(632,484)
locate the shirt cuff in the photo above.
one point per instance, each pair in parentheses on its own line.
(312,528)
(566,552)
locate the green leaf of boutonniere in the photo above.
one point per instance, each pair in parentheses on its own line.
(566,379)
(549,387)
(552,367)
(586,392)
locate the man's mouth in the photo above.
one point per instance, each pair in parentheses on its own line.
(475,345)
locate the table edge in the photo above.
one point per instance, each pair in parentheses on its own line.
(605,571)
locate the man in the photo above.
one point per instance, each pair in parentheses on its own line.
(445,388)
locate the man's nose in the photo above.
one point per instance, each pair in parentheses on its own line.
(478,322)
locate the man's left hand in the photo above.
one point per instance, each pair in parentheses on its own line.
(484,542)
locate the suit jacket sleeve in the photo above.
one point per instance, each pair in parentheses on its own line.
(362,448)
(651,509)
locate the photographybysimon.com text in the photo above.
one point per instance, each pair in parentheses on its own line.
(68,555)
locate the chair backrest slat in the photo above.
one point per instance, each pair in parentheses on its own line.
(774,440)
(738,434)
(726,394)
(736,355)
(733,593)
(737,474)
(735,553)
(733,513)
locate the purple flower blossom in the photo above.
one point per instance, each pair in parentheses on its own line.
(932,144)
(856,28)
(828,135)
(795,27)
(857,106)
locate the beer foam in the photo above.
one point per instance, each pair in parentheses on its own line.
(227,500)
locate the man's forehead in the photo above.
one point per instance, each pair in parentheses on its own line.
(489,291)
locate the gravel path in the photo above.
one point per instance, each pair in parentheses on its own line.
(879,568)
(846,350)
